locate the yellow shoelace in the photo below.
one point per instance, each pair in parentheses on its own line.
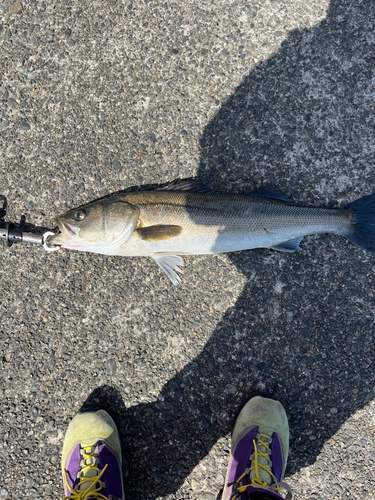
(92,491)
(263,440)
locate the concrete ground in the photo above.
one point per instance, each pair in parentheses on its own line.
(98,96)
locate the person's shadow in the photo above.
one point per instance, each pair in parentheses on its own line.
(302,121)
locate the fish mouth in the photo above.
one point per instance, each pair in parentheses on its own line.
(68,231)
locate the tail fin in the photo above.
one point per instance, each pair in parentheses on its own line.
(362,233)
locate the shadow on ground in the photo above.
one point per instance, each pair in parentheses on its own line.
(300,331)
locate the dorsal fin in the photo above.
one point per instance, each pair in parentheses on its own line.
(268,192)
(187,185)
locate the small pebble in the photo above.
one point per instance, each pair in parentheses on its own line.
(365,113)
(3,492)
(338,488)
(15,8)
(116,165)
(25,126)
(111,366)
(138,361)
(219,479)
(333,410)
(232,389)
(289,316)
(361,278)
(25,373)
(194,485)
(33,413)
(128,388)
(206,496)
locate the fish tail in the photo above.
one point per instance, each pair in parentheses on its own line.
(362,228)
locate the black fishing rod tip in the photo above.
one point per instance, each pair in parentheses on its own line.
(8,228)
(12,235)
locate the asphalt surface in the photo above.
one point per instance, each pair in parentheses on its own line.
(98,96)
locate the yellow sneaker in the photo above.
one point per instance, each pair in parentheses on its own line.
(91,458)
(260,445)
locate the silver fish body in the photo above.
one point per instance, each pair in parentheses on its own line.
(165,224)
(218,223)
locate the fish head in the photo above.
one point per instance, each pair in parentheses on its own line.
(99,227)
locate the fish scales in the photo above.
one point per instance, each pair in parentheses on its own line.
(215,223)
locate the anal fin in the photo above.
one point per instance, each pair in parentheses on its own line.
(169,263)
(289,246)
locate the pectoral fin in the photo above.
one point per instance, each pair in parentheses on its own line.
(289,246)
(169,264)
(159,232)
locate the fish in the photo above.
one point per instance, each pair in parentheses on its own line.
(186,218)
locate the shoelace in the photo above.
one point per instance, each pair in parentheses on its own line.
(262,440)
(88,463)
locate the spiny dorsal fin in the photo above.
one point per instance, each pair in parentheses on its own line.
(268,192)
(159,232)
(187,185)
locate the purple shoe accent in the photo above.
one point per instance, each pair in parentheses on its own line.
(112,474)
(240,460)
(72,467)
(277,458)
(241,455)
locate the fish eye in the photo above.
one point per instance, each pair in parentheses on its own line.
(79,215)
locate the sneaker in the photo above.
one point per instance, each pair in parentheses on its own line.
(260,445)
(91,458)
